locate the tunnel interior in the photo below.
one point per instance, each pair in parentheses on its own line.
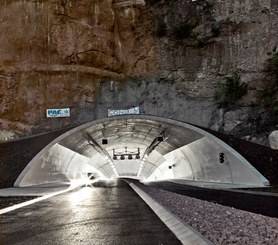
(143,147)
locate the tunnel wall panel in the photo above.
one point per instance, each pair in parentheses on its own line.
(58,165)
(196,159)
(206,157)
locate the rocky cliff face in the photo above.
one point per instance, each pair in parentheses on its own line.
(167,57)
(58,53)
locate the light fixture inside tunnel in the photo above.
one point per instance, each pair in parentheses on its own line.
(160,138)
(221,157)
(122,155)
(157,140)
(102,151)
(104,141)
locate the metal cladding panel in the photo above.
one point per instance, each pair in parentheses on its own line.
(129,131)
(189,151)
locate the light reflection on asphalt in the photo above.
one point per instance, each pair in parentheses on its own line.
(88,215)
(81,195)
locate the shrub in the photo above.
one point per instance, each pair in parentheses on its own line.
(184,29)
(229,92)
(272,65)
(215,30)
(268,98)
(152,2)
(161,29)
(201,42)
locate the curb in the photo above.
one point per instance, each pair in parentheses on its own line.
(185,233)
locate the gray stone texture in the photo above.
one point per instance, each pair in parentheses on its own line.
(101,55)
(273,140)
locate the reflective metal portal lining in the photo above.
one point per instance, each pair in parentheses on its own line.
(192,153)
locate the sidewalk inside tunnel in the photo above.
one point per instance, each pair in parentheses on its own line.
(88,215)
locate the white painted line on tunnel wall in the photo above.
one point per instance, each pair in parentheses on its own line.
(185,233)
(27,203)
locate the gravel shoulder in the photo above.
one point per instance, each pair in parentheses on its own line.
(220,224)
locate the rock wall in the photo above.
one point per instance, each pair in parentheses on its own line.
(230,38)
(95,55)
(58,53)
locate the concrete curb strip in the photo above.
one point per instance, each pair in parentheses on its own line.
(186,234)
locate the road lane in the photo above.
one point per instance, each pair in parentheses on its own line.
(88,215)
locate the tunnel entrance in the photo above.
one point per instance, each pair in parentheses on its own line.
(142,147)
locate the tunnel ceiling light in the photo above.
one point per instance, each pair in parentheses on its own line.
(157,140)
(126,154)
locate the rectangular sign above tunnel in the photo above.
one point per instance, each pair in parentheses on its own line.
(64,112)
(130,111)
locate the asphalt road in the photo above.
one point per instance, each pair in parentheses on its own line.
(90,215)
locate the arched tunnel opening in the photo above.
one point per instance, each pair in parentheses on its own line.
(143,147)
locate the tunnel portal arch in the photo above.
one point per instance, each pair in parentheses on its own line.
(139,146)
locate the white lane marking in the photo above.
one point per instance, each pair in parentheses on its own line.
(24,204)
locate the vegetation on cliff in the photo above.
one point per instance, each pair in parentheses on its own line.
(231,91)
(268,97)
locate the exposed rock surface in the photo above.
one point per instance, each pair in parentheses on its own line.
(58,53)
(273,140)
(6,135)
(94,55)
